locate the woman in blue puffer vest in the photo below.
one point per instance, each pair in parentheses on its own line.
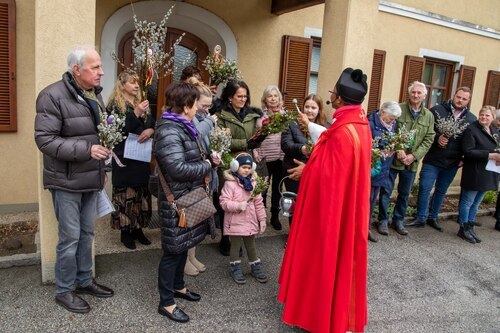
(382,121)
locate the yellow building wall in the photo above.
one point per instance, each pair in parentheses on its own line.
(18,162)
(483,12)
(400,36)
(258,34)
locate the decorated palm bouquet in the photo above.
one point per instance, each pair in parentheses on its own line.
(276,123)
(403,139)
(261,186)
(150,55)
(449,127)
(220,143)
(110,131)
(219,68)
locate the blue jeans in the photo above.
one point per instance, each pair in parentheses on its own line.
(374,192)
(429,175)
(406,179)
(469,203)
(76,214)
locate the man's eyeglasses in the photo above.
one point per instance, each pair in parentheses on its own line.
(206,106)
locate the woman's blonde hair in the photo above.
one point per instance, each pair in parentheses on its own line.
(117,96)
(202,88)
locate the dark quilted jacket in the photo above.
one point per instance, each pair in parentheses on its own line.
(451,155)
(65,130)
(179,160)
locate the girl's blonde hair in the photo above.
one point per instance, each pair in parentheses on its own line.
(117,96)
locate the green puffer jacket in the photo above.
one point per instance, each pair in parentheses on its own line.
(241,131)
(424,136)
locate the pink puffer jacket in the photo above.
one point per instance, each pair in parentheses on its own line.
(249,222)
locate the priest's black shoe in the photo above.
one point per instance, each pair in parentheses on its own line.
(72,302)
(435,224)
(177,314)
(188,295)
(96,290)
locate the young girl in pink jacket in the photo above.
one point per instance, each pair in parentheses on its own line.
(245,215)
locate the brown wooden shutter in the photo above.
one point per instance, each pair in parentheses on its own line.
(376,80)
(8,113)
(466,78)
(492,90)
(413,70)
(295,68)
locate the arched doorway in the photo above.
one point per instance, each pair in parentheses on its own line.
(207,26)
(190,51)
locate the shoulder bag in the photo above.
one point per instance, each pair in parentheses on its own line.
(193,207)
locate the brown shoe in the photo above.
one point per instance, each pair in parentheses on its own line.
(73,303)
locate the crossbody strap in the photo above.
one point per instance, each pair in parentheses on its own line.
(163,181)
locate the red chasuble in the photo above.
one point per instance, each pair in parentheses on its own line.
(323,275)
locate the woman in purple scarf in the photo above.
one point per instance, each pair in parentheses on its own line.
(180,161)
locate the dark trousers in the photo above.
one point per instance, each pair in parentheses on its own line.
(171,276)
(275,170)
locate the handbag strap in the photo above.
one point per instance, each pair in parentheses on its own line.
(163,181)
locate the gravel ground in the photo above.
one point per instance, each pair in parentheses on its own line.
(426,282)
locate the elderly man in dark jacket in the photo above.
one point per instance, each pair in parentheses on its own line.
(67,115)
(443,159)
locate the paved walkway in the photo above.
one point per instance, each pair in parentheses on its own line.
(426,282)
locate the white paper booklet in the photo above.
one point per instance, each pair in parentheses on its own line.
(491,166)
(138,151)
(104,205)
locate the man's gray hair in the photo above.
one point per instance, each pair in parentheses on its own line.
(419,84)
(77,56)
(391,108)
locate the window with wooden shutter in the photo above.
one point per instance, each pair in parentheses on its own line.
(376,80)
(492,91)
(295,68)
(8,113)
(413,70)
(466,78)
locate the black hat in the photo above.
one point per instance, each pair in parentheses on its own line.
(351,86)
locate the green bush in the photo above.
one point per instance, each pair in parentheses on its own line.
(490,197)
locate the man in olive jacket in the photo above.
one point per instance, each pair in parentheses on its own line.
(415,116)
(67,115)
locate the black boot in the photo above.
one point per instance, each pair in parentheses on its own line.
(127,239)
(465,234)
(472,232)
(139,235)
(275,220)
(497,225)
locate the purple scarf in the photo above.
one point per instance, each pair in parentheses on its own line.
(180,119)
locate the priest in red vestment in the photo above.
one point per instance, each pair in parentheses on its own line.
(324,272)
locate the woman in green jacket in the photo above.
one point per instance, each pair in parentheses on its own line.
(234,112)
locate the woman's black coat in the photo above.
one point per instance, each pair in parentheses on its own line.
(179,160)
(476,145)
